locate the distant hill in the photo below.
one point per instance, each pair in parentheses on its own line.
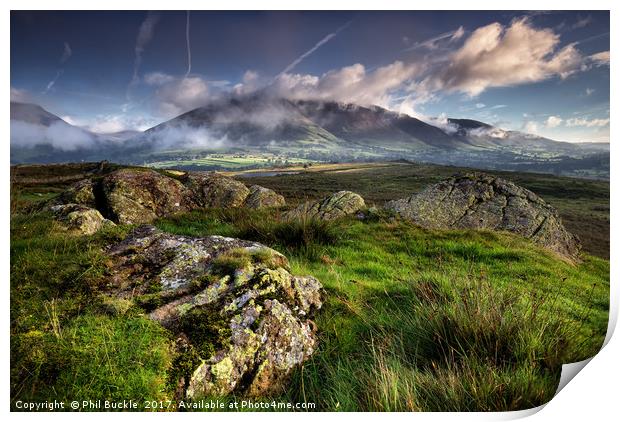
(314,130)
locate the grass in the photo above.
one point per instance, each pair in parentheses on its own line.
(67,342)
(582,204)
(413,319)
(430,320)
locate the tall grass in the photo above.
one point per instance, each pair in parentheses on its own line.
(412,319)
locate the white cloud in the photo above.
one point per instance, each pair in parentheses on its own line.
(495,56)
(349,84)
(157,78)
(67,52)
(20,95)
(434,42)
(58,135)
(589,91)
(553,121)
(530,127)
(318,45)
(179,95)
(582,22)
(480,105)
(145,34)
(579,121)
(599,59)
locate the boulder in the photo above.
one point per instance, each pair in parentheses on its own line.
(81,193)
(135,196)
(336,205)
(212,190)
(80,219)
(481,201)
(139,196)
(260,197)
(241,320)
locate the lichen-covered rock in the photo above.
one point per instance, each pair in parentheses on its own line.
(212,190)
(332,207)
(80,219)
(79,193)
(135,196)
(260,197)
(139,196)
(231,302)
(482,201)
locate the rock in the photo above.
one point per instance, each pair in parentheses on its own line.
(481,201)
(232,302)
(135,196)
(260,197)
(80,219)
(79,193)
(212,190)
(334,206)
(138,196)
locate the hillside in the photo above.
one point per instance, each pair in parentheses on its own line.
(284,130)
(411,318)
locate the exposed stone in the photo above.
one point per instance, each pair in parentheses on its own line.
(135,196)
(335,206)
(80,219)
(138,196)
(233,301)
(482,201)
(79,193)
(212,190)
(260,197)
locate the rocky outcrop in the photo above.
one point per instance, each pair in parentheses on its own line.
(79,193)
(260,197)
(138,196)
(80,219)
(482,201)
(332,207)
(212,190)
(241,319)
(135,196)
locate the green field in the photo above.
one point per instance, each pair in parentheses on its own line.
(413,319)
(228,161)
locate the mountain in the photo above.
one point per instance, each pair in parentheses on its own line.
(309,129)
(33,114)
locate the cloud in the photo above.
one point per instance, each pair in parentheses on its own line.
(185,136)
(582,22)
(318,45)
(189,48)
(496,56)
(599,59)
(589,91)
(145,34)
(51,83)
(579,121)
(59,135)
(20,95)
(66,54)
(553,121)
(530,127)
(178,95)
(158,78)
(433,43)
(480,105)
(349,84)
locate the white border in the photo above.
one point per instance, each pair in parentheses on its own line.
(591,395)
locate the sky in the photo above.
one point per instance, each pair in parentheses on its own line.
(545,73)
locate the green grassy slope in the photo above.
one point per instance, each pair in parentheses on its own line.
(428,320)
(413,319)
(582,204)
